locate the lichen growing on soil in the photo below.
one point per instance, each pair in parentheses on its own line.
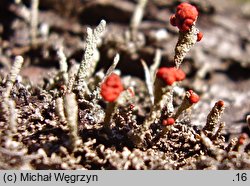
(48,120)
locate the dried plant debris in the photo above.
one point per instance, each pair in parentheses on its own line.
(84,116)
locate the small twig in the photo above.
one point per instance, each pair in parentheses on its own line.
(13,153)
(111,68)
(154,67)
(149,81)
(216,152)
(34,21)
(137,17)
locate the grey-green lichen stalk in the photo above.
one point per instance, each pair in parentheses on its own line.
(71,113)
(213,118)
(185,42)
(185,19)
(18,62)
(89,62)
(63,65)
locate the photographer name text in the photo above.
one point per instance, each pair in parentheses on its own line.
(59,177)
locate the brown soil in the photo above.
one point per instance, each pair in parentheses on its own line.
(223,56)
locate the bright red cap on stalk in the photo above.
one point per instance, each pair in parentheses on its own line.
(242,138)
(220,103)
(199,36)
(193,98)
(111,88)
(173,20)
(168,121)
(170,75)
(180,75)
(185,15)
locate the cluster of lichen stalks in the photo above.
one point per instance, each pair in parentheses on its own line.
(82,120)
